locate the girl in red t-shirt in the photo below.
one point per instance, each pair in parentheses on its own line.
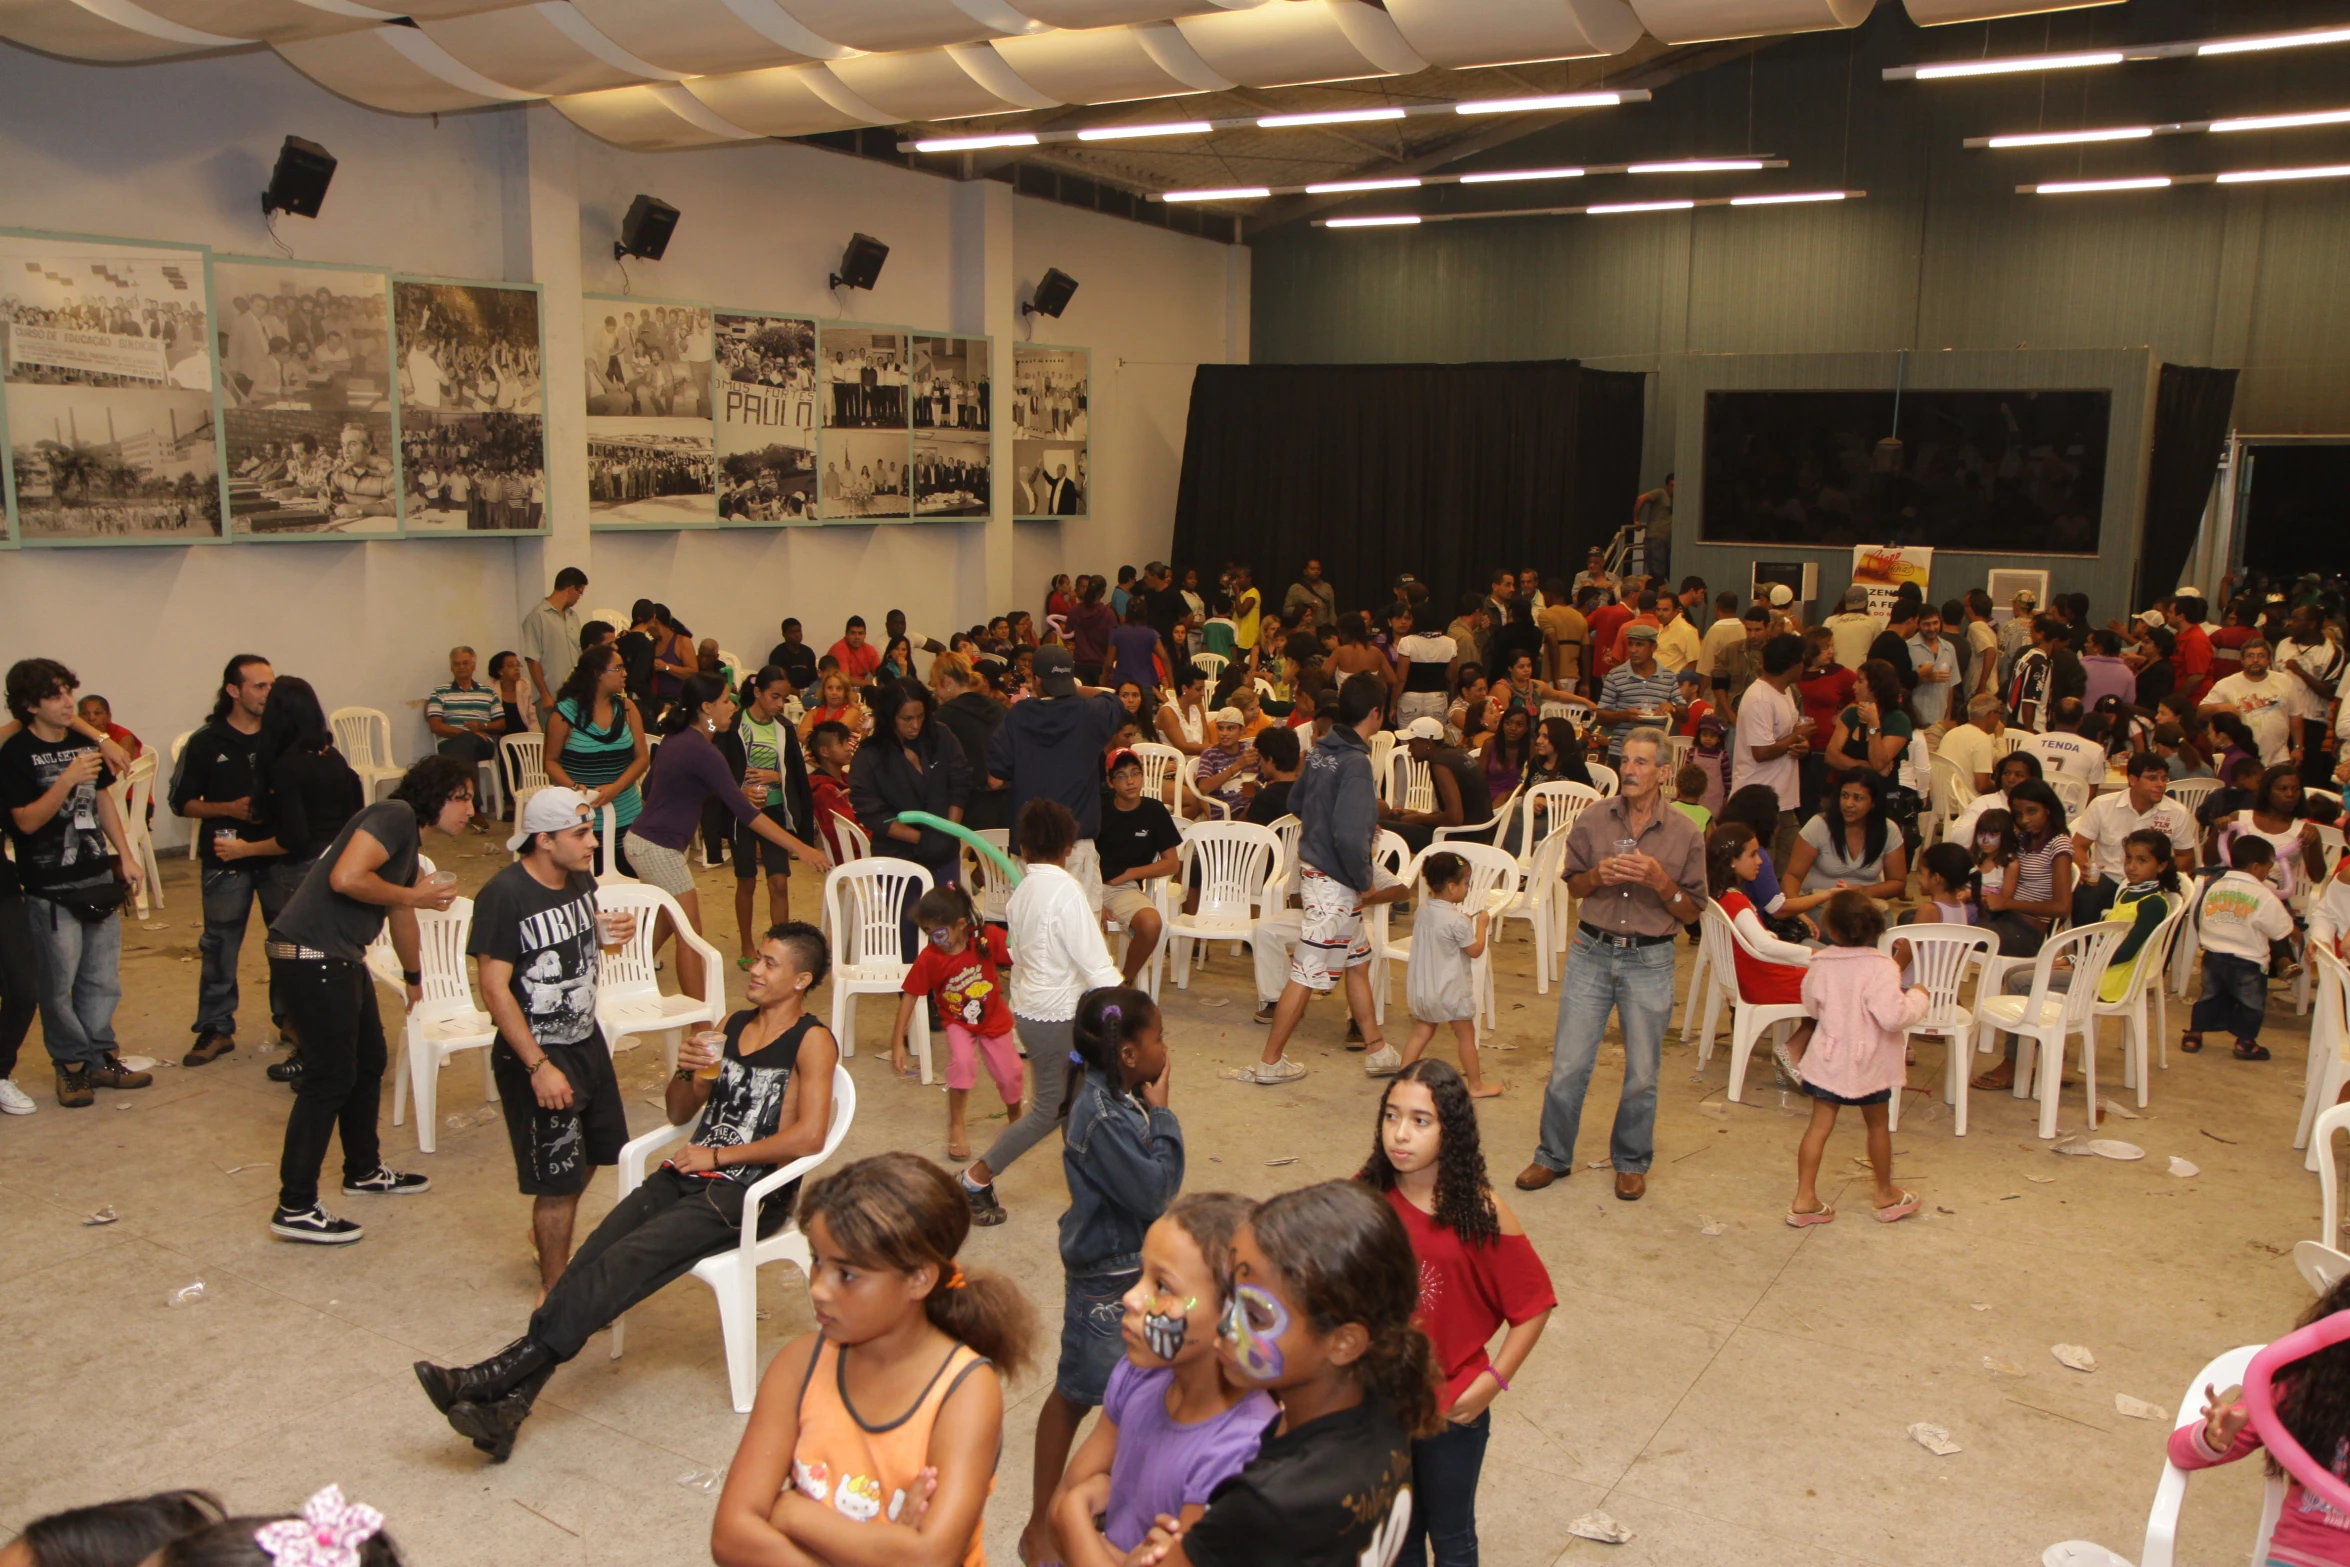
(961,970)
(1477,1271)
(1733,856)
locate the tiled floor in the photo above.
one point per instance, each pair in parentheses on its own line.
(1732,1398)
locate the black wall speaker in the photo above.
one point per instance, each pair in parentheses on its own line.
(1052,293)
(645,231)
(860,264)
(298,183)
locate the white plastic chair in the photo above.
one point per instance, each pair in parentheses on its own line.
(1940,956)
(1236,862)
(866,900)
(1410,786)
(2044,1022)
(2190,793)
(2322,1262)
(1391,856)
(132,793)
(1159,890)
(1549,810)
(983,876)
(1210,665)
(1287,830)
(1713,979)
(1952,794)
(2162,1522)
(364,736)
(733,1274)
(1160,763)
(195,829)
(1187,785)
(444,1022)
(1382,747)
(1749,1020)
(2138,1031)
(2327,1071)
(608,843)
(1542,903)
(629,1000)
(1491,871)
(525,755)
(2070,793)
(1603,778)
(1492,824)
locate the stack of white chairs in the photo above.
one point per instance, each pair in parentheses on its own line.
(866,901)
(445,1022)
(364,736)
(1235,863)
(629,1000)
(733,1274)
(132,793)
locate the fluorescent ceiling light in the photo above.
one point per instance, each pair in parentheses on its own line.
(2030,62)
(1275,122)
(976,143)
(2283,122)
(2086,187)
(1787,197)
(1564,100)
(2329,171)
(1505,176)
(2323,35)
(1334,187)
(1643,206)
(1122,132)
(2068,138)
(1385,220)
(1696,166)
(1236,193)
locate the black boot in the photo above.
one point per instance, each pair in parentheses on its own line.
(488,1381)
(493,1426)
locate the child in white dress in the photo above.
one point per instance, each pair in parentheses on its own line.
(1440,981)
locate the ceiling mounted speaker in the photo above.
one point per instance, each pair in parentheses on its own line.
(1053,292)
(547,48)
(1091,65)
(1507,32)
(1702,21)
(117,33)
(884,25)
(697,36)
(787,100)
(396,68)
(655,117)
(271,21)
(298,183)
(860,264)
(1935,13)
(1298,41)
(919,84)
(645,229)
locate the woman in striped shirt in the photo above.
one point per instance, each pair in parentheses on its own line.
(596,741)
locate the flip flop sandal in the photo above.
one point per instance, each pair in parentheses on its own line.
(2249,1050)
(2191,1044)
(1804,1221)
(1900,1210)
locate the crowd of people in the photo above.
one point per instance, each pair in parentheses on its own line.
(485,470)
(1303,1379)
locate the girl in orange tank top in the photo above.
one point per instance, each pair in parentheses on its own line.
(874,1439)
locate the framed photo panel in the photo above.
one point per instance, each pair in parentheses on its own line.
(1051,388)
(765,397)
(651,442)
(472,421)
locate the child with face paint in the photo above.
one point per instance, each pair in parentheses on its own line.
(1122,1151)
(1477,1271)
(1324,1286)
(1173,1426)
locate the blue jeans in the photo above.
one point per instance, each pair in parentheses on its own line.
(229,891)
(81,981)
(1637,984)
(1445,1470)
(2235,996)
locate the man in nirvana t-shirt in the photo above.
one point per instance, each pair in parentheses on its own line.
(535,945)
(1138,842)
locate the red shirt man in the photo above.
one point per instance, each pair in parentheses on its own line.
(1603,624)
(2191,656)
(857,657)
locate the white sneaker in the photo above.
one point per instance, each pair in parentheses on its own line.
(1281,1071)
(14,1100)
(1382,1062)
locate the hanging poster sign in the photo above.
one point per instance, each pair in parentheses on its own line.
(1883,568)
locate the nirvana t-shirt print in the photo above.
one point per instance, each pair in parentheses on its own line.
(549,935)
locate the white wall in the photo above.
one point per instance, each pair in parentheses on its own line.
(181,152)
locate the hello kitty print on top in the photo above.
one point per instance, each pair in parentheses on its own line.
(863,1468)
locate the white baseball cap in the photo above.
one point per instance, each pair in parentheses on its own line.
(1229,715)
(548,810)
(1781,595)
(2151,617)
(1423,728)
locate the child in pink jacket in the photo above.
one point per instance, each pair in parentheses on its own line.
(1858,1051)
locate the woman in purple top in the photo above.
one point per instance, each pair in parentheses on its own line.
(688,772)
(1134,650)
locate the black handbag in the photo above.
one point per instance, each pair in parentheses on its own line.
(93,904)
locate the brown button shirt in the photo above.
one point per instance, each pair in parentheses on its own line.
(1672,840)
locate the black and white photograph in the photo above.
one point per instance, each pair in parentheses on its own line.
(306,400)
(468,348)
(950,383)
(647,360)
(113,465)
(864,375)
(90,313)
(772,484)
(950,474)
(473,472)
(864,475)
(656,472)
(1048,479)
(1049,390)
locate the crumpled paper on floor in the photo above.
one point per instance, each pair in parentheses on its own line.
(1934,1439)
(2075,1356)
(2135,1408)
(2005,1368)
(2182,1168)
(1599,1526)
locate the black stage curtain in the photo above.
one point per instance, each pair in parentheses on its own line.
(2191,407)
(1444,471)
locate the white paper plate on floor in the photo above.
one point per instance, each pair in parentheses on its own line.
(2109,1148)
(138,1063)
(2081,1553)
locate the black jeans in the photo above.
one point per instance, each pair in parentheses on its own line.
(1445,1470)
(20,981)
(332,1004)
(653,1236)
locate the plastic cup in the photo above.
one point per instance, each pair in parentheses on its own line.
(714,1041)
(611,925)
(441,881)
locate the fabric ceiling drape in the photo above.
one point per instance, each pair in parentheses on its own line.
(1443,471)
(2191,407)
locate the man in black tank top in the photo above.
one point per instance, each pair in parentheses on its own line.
(767,1102)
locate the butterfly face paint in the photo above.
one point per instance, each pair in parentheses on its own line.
(1254,1323)
(1165,1334)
